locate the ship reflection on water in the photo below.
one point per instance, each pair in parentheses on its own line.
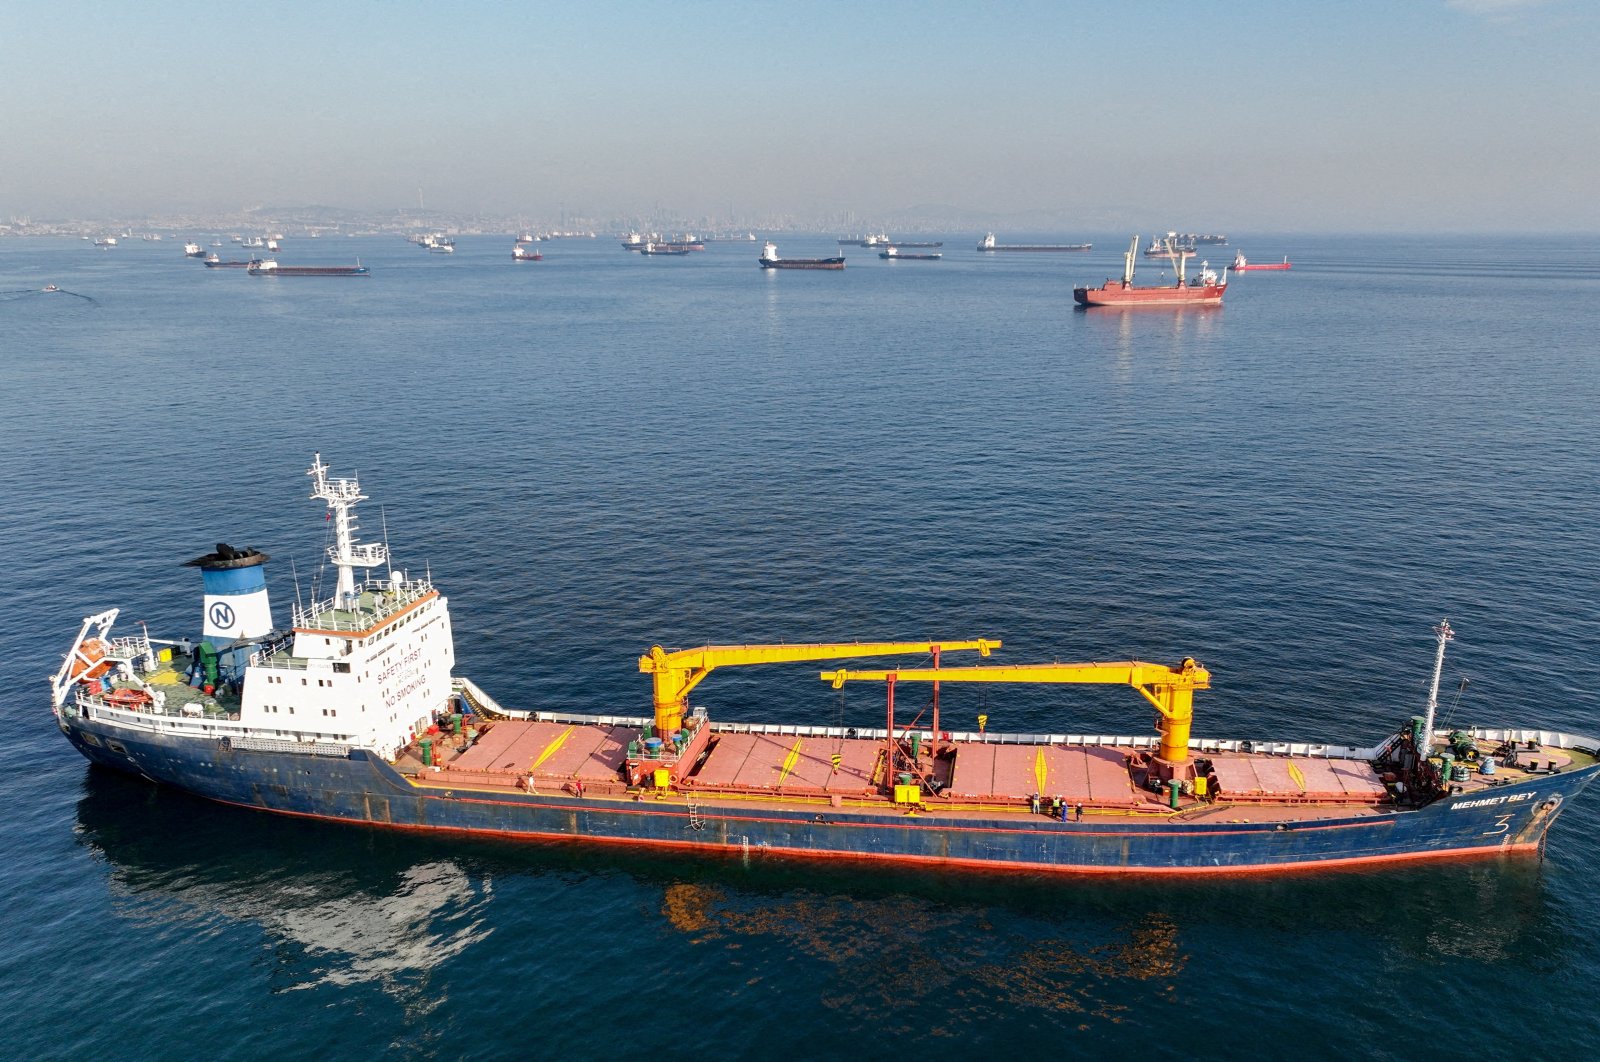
(337,911)
(928,952)
(888,952)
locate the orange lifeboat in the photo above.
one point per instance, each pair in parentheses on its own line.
(90,662)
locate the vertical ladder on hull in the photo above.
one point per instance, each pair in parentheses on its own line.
(695,821)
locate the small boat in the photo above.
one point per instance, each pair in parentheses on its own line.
(1123,293)
(893,252)
(1243,265)
(518,254)
(769,260)
(272,245)
(268,267)
(988,244)
(106,242)
(525,237)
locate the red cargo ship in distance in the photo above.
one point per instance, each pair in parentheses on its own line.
(269,267)
(769,260)
(1208,292)
(1243,265)
(520,254)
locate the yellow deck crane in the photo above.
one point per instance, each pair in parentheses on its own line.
(1170,689)
(679,671)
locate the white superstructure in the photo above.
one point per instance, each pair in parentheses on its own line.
(367,667)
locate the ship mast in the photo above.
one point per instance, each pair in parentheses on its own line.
(1444,634)
(346,553)
(1127,262)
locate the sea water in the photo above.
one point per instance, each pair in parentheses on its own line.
(600,452)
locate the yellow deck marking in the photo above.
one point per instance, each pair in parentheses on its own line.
(550,749)
(1041,772)
(790,761)
(1299,779)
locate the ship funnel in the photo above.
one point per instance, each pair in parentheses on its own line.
(236,604)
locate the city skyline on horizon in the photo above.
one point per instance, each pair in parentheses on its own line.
(1448,115)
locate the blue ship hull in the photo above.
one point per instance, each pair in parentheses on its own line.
(357,787)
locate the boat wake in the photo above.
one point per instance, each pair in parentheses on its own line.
(48,289)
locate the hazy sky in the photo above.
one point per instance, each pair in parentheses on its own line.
(1289,115)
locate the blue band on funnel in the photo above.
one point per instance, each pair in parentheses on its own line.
(235,580)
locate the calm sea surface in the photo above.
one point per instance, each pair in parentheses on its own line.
(598,452)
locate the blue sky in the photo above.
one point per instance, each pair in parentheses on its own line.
(1403,115)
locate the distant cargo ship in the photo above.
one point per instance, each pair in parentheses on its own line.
(268,267)
(769,260)
(1208,292)
(521,254)
(988,244)
(894,252)
(1243,265)
(215,261)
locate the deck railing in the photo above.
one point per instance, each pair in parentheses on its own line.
(387,599)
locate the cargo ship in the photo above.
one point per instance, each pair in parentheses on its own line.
(193,250)
(988,244)
(1207,292)
(522,254)
(892,252)
(353,714)
(1241,264)
(769,260)
(216,261)
(269,267)
(1188,241)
